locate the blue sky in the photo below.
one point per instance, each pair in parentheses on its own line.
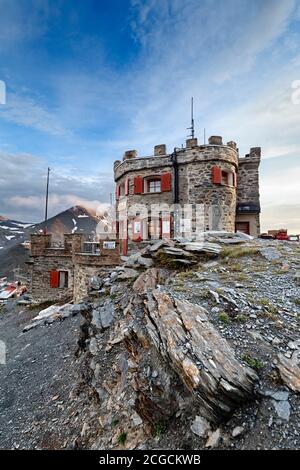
(88,79)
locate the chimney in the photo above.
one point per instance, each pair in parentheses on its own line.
(191,143)
(130,154)
(160,150)
(232,144)
(215,140)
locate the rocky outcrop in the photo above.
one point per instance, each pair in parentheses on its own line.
(153,357)
(203,360)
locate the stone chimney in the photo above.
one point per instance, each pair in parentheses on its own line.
(130,154)
(215,140)
(160,150)
(232,144)
(191,143)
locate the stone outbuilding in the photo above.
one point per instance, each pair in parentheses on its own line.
(64,273)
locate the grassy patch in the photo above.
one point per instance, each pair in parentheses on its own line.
(253,362)
(224,318)
(159,429)
(122,438)
(235,267)
(238,251)
(270,308)
(240,318)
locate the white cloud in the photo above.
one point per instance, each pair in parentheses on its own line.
(23,198)
(26,111)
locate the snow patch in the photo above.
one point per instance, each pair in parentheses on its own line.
(75,226)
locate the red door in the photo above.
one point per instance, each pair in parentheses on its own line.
(243,227)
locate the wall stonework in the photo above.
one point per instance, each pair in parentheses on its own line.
(39,273)
(80,267)
(195,185)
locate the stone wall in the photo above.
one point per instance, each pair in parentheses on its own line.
(82,277)
(194,179)
(70,258)
(248,178)
(39,272)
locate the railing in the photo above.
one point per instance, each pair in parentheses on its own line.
(92,248)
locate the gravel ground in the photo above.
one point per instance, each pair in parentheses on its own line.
(36,382)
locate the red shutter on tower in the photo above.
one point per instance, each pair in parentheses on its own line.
(138,185)
(216,175)
(126,187)
(117,192)
(166,182)
(54,278)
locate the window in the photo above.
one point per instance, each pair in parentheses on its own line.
(225,177)
(59,279)
(154,186)
(63,279)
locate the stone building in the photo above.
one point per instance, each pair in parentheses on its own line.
(63,273)
(211,178)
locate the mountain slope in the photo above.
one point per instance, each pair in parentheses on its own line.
(12,233)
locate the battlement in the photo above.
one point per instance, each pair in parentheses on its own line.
(213,151)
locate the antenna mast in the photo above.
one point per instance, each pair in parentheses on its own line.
(46,206)
(192,128)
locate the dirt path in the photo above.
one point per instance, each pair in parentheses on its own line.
(36,382)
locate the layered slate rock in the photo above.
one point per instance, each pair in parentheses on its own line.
(203,360)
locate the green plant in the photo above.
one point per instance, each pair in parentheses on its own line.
(297,302)
(252,362)
(235,267)
(240,318)
(122,438)
(270,308)
(159,428)
(115,422)
(223,317)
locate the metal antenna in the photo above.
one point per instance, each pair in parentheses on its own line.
(46,206)
(204,135)
(192,128)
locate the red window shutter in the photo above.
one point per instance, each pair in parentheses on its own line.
(166,182)
(54,278)
(216,175)
(126,187)
(138,185)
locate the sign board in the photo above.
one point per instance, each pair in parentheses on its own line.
(109,245)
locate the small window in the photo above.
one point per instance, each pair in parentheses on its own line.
(225,177)
(154,186)
(63,279)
